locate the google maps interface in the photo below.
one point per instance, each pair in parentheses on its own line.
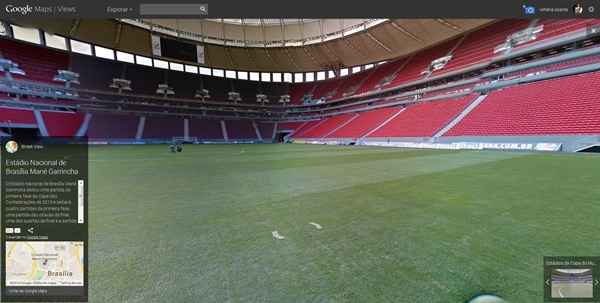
(44,194)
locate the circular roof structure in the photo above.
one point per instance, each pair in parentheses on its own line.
(271,45)
(259,32)
(259,22)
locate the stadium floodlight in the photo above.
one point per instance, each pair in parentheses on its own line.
(165,90)
(435,65)
(9,68)
(120,84)
(67,76)
(439,63)
(307,98)
(284,99)
(262,99)
(386,80)
(518,38)
(234,97)
(202,94)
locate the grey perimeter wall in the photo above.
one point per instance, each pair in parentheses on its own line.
(568,143)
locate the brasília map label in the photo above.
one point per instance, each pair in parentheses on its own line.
(33,263)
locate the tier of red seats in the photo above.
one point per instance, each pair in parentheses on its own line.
(423,119)
(299,133)
(306,127)
(365,122)
(16,116)
(479,46)
(557,27)
(350,83)
(420,62)
(557,66)
(569,105)
(327,126)
(62,124)
(163,128)
(112,126)
(39,64)
(205,129)
(240,129)
(381,72)
(297,92)
(326,88)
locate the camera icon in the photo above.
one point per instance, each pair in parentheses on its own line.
(529,9)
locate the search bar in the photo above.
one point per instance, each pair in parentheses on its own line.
(164,9)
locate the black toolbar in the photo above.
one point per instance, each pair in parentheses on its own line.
(301,9)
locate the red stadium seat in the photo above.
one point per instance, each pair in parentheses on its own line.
(569,105)
(423,119)
(366,122)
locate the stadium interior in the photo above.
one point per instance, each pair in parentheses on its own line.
(321,160)
(467,84)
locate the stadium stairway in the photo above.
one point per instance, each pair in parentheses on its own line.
(363,123)
(460,116)
(341,125)
(309,126)
(140,128)
(267,130)
(384,123)
(326,126)
(62,124)
(123,127)
(85,125)
(561,106)
(48,123)
(257,131)
(423,119)
(224,130)
(40,123)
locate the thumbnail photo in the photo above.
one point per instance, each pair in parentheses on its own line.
(572,283)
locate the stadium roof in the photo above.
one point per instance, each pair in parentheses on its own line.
(311,44)
(259,22)
(260,32)
(274,45)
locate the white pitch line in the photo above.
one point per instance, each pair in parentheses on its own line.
(277,236)
(316,225)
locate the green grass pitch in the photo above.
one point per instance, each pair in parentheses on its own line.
(398,225)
